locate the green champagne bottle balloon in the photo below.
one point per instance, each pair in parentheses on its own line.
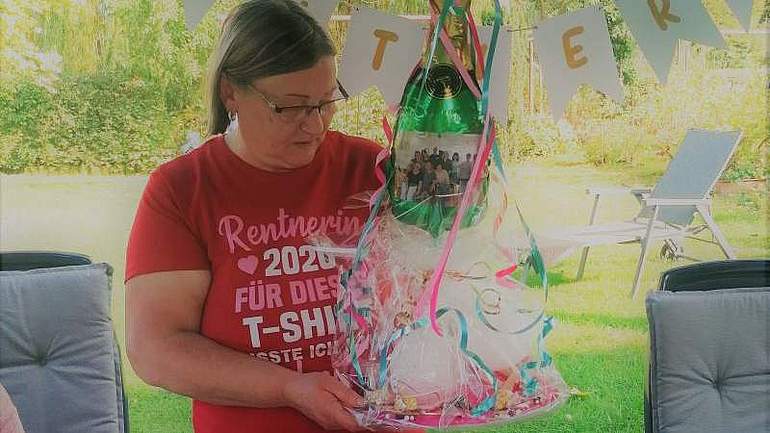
(437,134)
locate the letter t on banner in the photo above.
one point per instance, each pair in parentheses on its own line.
(575,49)
(380,50)
(658,24)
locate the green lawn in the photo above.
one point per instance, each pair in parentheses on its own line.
(599,344)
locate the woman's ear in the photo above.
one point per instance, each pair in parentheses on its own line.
(227,94)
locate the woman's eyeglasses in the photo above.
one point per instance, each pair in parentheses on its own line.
(298,113)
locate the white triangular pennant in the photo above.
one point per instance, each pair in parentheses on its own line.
(658,24)
(194,10)
(742,10)
(501,72)
(575,49)
(320,10)
(381,49)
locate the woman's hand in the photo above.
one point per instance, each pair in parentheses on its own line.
(322,398)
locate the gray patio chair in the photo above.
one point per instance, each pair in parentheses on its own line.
(59,359)
(668,210)
(709,363)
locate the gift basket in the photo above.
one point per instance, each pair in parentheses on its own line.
(441,318)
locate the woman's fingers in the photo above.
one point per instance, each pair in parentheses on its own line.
(347,396)
(345,419)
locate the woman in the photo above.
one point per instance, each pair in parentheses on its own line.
(443,184)
(428,180)
(454,166)
(225,300)
(413,179)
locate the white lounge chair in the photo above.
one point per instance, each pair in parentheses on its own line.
(668,209)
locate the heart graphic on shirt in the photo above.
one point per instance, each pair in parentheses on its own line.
(248,264)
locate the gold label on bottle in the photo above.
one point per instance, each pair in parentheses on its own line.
(444,82)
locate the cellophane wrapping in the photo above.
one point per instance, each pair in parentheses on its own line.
(484,361)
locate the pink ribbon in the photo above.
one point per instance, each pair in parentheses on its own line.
(476,45)
(501,275)
(438,273)
(452,53)
(383,155)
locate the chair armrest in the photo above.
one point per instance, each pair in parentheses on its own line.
(614,190)
(607,190)
(676,201)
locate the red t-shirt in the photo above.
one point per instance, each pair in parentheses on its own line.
(271,294)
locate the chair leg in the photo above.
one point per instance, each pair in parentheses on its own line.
(721,240)
(582,266)
(645,249)
(584,256)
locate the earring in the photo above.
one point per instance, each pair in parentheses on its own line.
(233,125)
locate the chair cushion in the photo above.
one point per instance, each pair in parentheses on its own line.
(710,361)
(57,349)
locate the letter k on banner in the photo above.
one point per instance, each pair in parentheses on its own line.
(658,24)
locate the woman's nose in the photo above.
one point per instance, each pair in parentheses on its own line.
(313,123)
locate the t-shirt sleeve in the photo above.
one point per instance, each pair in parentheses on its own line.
(161,237)
(365,159)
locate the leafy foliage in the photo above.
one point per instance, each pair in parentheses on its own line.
(115,86)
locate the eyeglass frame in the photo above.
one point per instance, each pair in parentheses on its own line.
(277,109)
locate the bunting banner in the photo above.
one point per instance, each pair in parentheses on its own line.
(194,10)
(742,10)
(320,10)
(575,49)
(501,72)
(658,24)
(381,50)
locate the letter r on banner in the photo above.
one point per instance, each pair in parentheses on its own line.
(384,36)
(571,51)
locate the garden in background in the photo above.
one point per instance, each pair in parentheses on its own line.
(96,93)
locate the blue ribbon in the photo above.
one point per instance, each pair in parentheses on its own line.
(434,42)
(488,402)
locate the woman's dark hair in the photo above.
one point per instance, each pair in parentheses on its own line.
(262,38)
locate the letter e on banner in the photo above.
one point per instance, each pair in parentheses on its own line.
(571,51)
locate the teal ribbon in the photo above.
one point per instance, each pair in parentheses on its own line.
(489,401)
(535,259)
(490,57)
(529,384)
(498,161)
(480,314)
(434,42)
(496,157)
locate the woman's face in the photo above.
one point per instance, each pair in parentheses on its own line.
(270,141)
